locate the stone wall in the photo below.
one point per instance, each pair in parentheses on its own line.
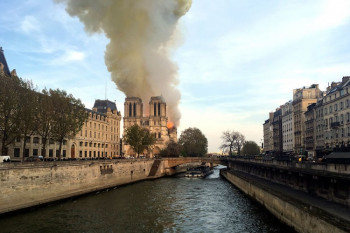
(302,217)
(30,184)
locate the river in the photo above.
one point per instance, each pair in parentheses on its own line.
(172,204)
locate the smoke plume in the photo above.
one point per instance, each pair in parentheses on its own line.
(142,34)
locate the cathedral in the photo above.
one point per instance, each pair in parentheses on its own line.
(156,122)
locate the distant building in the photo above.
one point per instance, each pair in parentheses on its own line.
(156,122)
(310,123)
(99,137)
(277,132)
(268,134)
(302,98)
(336,111)
(287,127)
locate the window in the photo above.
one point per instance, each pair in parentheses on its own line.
(16,152)
(335,107)
(28,139)
(18,139)
(86,144)
(330,109)
(51,141)
(57,153)
(26,153)
(81,143)
(50,153)
(64,142)
(64,153)
(85,154)
(35,152)
(341,105)
(80,153)
(90,154)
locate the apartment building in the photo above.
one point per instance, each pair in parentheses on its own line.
(287,127)
(302,98)
(336,109)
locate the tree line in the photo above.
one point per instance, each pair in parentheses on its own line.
(51,114)
(192,142)
(233,141)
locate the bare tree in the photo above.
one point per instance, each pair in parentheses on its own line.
(231,141)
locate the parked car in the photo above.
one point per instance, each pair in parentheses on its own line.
(34,158)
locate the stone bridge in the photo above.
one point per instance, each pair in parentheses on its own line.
(170,163)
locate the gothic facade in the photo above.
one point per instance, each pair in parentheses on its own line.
(156,122)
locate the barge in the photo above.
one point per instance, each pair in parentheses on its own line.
(198,172)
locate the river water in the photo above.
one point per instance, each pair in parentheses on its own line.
(174,204)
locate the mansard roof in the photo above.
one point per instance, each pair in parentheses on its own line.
(3,61)
(103,105)
(341,85)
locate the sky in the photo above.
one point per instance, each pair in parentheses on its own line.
(238,60)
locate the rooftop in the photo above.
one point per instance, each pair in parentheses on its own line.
(103,105)
(3,61)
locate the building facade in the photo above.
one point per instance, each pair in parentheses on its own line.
(98,138)
(310,122)
(156,122)
(302,98)
(287,127)
(336,109)
(277,132)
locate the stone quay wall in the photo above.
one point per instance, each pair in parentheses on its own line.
(302,216)
(30,184)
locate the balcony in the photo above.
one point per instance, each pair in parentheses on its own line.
(335,124)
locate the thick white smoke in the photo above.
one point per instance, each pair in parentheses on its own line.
(141,34)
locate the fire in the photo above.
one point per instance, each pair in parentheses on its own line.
(170,125)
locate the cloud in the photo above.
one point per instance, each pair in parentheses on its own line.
(30,25)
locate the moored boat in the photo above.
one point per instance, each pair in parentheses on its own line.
(198,172)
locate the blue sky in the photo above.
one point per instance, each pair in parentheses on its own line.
(238,59)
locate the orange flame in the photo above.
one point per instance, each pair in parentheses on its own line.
(170,125)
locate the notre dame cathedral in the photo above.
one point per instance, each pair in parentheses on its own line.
(156,122)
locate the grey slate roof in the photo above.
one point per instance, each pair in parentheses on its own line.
(3,61)
(344,83)
(338,155)
(103,105)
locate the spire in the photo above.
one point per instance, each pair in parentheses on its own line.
(3,62)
